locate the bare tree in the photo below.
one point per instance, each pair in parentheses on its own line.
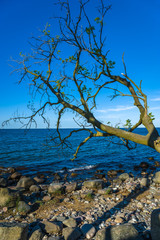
(82,76)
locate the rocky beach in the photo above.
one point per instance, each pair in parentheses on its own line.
(113,205)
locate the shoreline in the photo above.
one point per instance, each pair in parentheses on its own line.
(103,202)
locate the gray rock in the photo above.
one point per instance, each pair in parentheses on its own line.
(101,235)
(157,177)
(123,176)
(13,231)
(8,197)
(53,227)
(144,182)
(88,230)
(155,224)
(70,233)
(71,187)
(3,182)
(124,231)
(36,235)
(119,232)
(34,188)
(56,187)
(71,222)
(23,207)
(15,175)
(25,182)
(93,184)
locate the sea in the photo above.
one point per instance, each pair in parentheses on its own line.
(33,151)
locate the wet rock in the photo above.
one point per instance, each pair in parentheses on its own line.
(56,187)
(25,182)
(57,176)
(15,175)
(74,174)
(112,173)
(155,224)
(157,177)
(99,175)
(39,180)
(3,182)
(157,164)
(144,165)
(70,233)
(71,222)
(36,235)
(53,227)
(34,188)
(23,207)
(124,176)
(93,184)
(151,158)
(88,230)
(71,187)
(13,231)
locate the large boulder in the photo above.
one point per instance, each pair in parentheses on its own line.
(93,184)
(56,188)
(8,197)
(53,227)
(13,231)
(25,182)
(36,235)
(157,177)
(70,233)
(71,222)
(119,232)
(155,224)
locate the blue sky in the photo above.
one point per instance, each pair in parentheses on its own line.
(132,27)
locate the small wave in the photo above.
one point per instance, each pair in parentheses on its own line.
(82,168)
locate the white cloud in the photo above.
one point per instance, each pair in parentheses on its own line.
(155,99)
(116,109)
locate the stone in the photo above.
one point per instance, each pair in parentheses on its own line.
(101,234)
(71,187)
(88,230)
(155,224)
(25,182)
(23,207)
(125,231)
(13,231)
(118,219)
(144,182)
(70,233)
(34,188)
(55,188)
(144,165)
(46,198)
(53,227)
(93,184)
(8,197)
(112,173)
(71,222)
(124,176)
(36,235)
(157,177)
(15,175)
(3,182)
(39,180)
